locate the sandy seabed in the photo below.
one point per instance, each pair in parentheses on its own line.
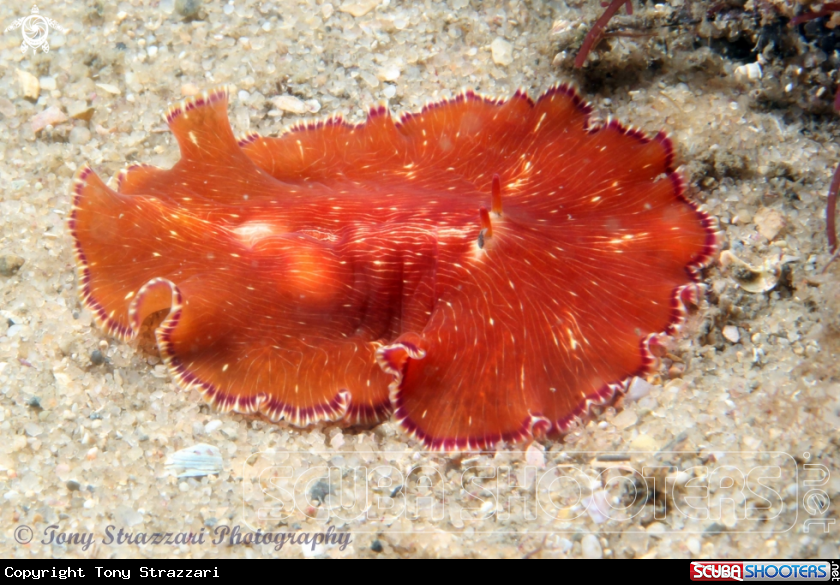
(706,458)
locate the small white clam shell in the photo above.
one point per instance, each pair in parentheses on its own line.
(754,279)
(195,461)
(750,71)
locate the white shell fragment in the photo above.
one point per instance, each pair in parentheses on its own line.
(195,461)
(502,51)
(731,333)
(769,222)
(52,116)
(638,389)
(112,89)
(289,103)
(29,84)
(750,71)
(751,278)
(359,8)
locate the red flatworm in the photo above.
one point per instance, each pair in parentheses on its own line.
(483,269)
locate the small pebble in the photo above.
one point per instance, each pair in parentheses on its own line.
(535,456)
(33,430)
(190,89)
(624,419)
(376,546)
(639,388)
(359,8)
(390,73)
(502,51)
(10,264)
(80,110)
(107,87)
(196,461)
(47,83)
(319,491)
(311,551)
(73,485)
(828,550)
(769,222)
(212,426)
(751,71)
(371,80)
(188,8)
(7,108)
(79,135)
(29,84)
(750,278)
(643,443)
(681,478)
(693,546)
(127,517)
(731,333)
(597,506)
(96,357)
(52,116)
(743,216)
(289,103)
(590,547)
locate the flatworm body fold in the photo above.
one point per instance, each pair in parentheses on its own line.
(344,272)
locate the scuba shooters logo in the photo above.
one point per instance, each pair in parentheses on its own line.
(712,571)
(762,571)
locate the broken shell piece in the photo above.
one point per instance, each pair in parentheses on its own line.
(29,84)
(195,461)
(731,333)
(750,278)
(52,116)
(769,222)
(10,264)
(7,108)
(359,8)
(749,71)
(80,111)
(638,389)
(289,103)
(107,87)
(561,26)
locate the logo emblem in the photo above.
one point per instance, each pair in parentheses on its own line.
(35,29)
